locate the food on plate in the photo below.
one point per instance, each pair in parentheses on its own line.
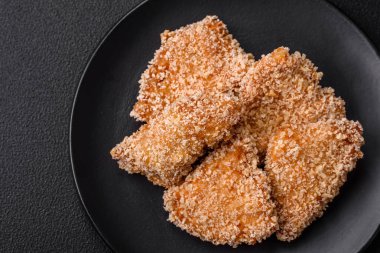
(290,94)
(200,92)
(202,55)
(165,148)
(226,199)
(307,164)
(192,95)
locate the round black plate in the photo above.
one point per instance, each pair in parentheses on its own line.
(127,209)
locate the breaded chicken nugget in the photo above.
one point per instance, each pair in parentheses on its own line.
(226,199)
(290,94)
(307,164)
(199,55)
(165,148)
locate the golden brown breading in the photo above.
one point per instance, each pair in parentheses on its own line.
(199,55)
(307,164)
(226,199)
(290,94)
(193,94)
(165,148)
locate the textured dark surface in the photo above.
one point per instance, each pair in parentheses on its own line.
(44,46)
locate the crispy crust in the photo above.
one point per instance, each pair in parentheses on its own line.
(165,148)
(226,200)
(307,164)
(199,55)
(193,93)
(197,87)
(288,86)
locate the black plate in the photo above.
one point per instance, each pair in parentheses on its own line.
(127,209)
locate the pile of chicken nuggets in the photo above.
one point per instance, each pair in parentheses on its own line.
(278,145)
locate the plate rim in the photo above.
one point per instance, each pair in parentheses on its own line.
(84,71)
(94,53)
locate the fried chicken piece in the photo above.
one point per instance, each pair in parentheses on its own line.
(199,55)
(307,164)
(193,93)
(226,199)
(290,94)
(165,148)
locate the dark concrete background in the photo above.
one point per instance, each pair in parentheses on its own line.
(44,47)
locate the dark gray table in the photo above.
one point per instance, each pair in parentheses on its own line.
(44,47)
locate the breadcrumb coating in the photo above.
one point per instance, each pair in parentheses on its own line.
(165,148)
(226,199)
(193,93)
(199,55)
(201,89)
(307,164)
(290,94)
